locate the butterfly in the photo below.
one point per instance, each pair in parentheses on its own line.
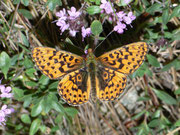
(106,75)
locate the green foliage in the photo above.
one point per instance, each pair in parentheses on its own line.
(165,97)
(26,119)
(5,63)
(93,10)
(53,3)
(96,27)
(153,61)
(35,126)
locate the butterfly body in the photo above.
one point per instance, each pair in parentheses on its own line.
(104,77)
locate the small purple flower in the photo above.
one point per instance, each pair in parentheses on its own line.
(72,32)
(62,14)
(120,27)
(85,32)
(129,18)
(5,110)
(71,21)
(86,51)
(106,6)
(120,15)
(73,14)
(5,91)
(3,113)
(2,120)
(63,25)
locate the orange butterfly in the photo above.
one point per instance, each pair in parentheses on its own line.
(105,75)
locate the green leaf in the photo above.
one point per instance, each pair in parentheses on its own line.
(153,61)
(96,27)
(31,83)
(177,92)
(165,16)
(36,109)
(139,115)
(24,48)
(154,123)
(143,129)
(124,2)
(71,111)
(165,97)
(59,118)
(19,127)
(157,114)
(25,13)
(174,63)
(176,12)
(93,10)
(35,126)
(146,2)
(18,93)
(53,85)
(27,101)
(5,63)
(24,40)
(165,121)
(25,2)
(48,99)
(177,124)
(30,72)
(154,8)
(53,3)
(44,80)
(43,129)
(141,71)
(28,63)
(58,107)
(144,98)
(26,119)
(16,2)
(14,59)
(176,35)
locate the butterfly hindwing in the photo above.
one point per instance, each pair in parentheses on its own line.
(125,59)
(75,87)
(55,63)
(109,83)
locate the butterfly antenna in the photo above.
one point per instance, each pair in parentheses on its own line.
(103,40)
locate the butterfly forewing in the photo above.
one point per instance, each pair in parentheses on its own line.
(125,59)
(55,63)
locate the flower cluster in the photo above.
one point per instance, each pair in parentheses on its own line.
(5,92)
(72,20)
(120,18)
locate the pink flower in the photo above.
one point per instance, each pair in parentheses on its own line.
(3,113)
(85,32)
(5,91)
(129,18)
(72,32)
(86,51)
(120,15)
(106,6)
(120,27)
(71,21)
(63,25)
(62,14)
(5,110)
(73,14)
